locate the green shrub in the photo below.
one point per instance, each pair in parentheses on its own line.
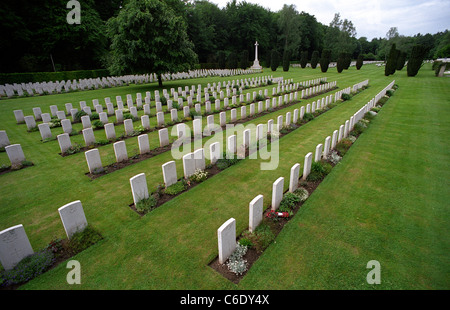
(343,146)
(319,170)
(94,116)
(262,237)
(301,193)
(28,268)
(78,115)
(289,202)
(358,129)
(176,188)
(382,100)
(84,239)
(97,124)
(346,97)
(146,205)
(390,93)
(308,117)
(246,242)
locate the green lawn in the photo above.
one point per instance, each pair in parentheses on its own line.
(385,201)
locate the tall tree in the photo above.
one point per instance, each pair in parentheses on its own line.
(314,59)
(275,60)
(148,37)
(286,60)
(359,61)
(415,61)
(288,25)
(391,62)
(304,59)
(325,60)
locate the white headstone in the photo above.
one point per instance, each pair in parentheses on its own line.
(73,218)
(307,165)
(256,208)
(295,174)
(277,193)
(64,142)
(15,154)
(93,161)
(14,246)
(120,150)
(226,235)
(169,170)
(139,188)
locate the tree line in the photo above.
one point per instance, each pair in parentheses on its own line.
(181,34)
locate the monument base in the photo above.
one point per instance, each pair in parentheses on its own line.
(256,65)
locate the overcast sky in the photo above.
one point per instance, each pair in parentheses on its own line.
(372,18)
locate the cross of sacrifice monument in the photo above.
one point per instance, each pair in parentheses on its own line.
(256,65)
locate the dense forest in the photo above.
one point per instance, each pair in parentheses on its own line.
(36,36)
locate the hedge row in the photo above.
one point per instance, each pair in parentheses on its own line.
(11,78)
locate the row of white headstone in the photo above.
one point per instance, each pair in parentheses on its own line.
(93,156)
(196,160)
(42,88)
(14,242)
(226,233)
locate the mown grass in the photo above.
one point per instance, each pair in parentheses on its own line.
(170,247)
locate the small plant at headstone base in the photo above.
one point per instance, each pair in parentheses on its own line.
(343,146)
(288,203)
(236,262)
(382,100)
(301,193)
(375,109)
(97,124)
(308,117)
(4,167)
(346,97)
(55,122)
(49,139)
(246,242)
(103,142)
(75,148)
(259,97)
(84,239)
(199,176)
(262,237)
(369,116)
(138,130)
(146,205)
(319,170)
(358,129)
(224,162)
(94,116)
(78,115)
(28,268)
(176,188)
(334,157)
(33,129)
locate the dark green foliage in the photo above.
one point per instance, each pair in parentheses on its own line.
(314,59)
(244,59)
(232,61)
(146,205)
(359,61)
(222,59)
(78,115)
(308,117)
(391,63)
(415,61)
(346,97)
(28,268)
(261,238)
(94,116)
(343,146)
(319,170)
(348,60)
(275,60)
(224,162)
(289,202)
(286,60)
(340,63)
(304,59)
(400,61)
(325,60)
(84,239)
(358,129)
(148,36)
(176,188)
